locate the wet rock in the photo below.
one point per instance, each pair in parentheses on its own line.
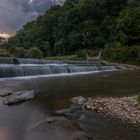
(19,97)
(79,100)
(5,92)
(69,110)
(62,128)
(89,106)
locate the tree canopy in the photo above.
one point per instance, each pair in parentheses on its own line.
(80,24)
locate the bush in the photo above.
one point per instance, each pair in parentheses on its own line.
(119,53)
(82,54)
(4,53)
(34,53)
(20,52)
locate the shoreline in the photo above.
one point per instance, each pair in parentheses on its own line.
(125,109)
(121,66)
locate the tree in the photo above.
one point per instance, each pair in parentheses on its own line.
(81,24)
(4,53)
(20,52)
(133,3)
(113,7)
(90,10)
(34,53)
(128,26)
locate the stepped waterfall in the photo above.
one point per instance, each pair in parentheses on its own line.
(17,67)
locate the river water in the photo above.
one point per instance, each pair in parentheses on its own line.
(35,119)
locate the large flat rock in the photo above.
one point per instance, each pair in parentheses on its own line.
(19,97)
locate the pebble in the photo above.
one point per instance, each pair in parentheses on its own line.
(124,108)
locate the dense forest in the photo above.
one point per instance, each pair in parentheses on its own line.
(112,26)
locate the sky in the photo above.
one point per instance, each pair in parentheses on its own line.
(15,13)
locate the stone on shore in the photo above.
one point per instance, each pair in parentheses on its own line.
(19,97)
(79,100)
(126,109)
(122,66)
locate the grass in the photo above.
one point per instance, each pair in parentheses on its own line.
(67,57)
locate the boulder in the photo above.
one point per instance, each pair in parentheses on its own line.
(79,100)
(62,128)
(19,97)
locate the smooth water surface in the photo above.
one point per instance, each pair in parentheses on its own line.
(26,121)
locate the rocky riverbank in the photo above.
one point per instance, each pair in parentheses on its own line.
(126,109)
(121,66)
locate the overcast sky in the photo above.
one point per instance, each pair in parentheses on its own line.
(15,13)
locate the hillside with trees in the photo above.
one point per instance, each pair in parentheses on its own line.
(112,26)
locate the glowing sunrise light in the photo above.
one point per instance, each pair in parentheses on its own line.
(5,35)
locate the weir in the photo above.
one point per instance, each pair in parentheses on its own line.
(18,67)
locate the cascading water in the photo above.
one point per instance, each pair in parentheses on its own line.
(38,118)
(6,60)
(10,67)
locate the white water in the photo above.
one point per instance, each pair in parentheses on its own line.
(54,75)
(52,69)
(31,65)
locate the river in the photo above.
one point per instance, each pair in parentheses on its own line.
(35,119)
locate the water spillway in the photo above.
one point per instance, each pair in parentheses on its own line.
(13,60)
(31,67)
(8,60)
(54,95)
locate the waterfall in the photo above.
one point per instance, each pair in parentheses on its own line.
(6,60)
(29,70)
(10,67)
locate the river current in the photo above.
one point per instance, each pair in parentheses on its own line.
(36,120)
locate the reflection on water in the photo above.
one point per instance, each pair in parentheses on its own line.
(17,122)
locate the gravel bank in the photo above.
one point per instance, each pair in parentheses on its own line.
(124,108)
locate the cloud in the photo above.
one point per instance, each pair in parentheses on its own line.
(15,13)
(38,6)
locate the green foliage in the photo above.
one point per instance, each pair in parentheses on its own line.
(113,7)
(89,9)
(4,53)
(133,3)
(120,53)
(128,26)
(83,24)
(20,52)
(34,53)
(82,54)
(67,57)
